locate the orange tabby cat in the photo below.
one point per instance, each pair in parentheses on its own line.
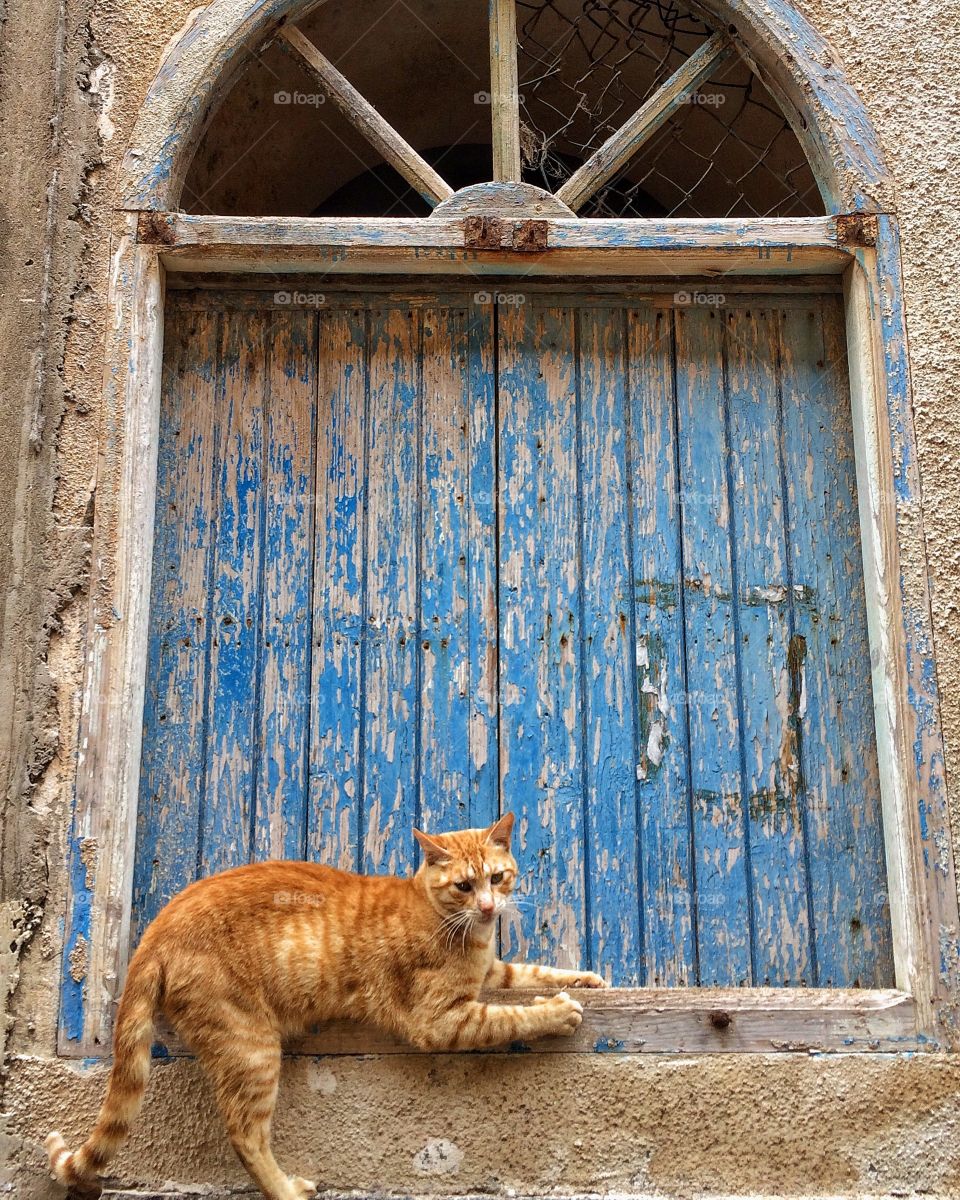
(242,960)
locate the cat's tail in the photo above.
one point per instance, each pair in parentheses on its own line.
(79,1169)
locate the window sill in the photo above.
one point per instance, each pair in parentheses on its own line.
(684,1021)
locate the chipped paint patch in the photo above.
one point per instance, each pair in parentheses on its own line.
(438,1157)
(79,959)
(321,1079)
(89,851)
(102,85)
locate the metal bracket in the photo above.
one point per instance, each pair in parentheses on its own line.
(494,233)
(482,233)
(154,229)
(856,229)
(530,237)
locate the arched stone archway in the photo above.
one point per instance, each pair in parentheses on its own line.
(795,64)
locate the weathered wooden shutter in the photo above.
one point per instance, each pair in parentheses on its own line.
(593,560)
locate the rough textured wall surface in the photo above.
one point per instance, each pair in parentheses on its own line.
(48,158)
(72,74)
(472,1123)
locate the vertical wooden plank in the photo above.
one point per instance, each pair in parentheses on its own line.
(172,761)
(666,875)
(338,589)
(721,847)
(282,726)
(505,92)
(225,819)
(97,920)
(541,752)
(391,682)
(920,859)
(831,657)
(444,707)
(608,650)
(483,582)
(457,580)
(770,705)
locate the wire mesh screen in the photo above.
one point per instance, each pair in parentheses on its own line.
(585,66)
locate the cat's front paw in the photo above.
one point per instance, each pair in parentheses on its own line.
(584,979)
(563,1016)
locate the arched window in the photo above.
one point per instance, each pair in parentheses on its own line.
(529,448)
(714,143)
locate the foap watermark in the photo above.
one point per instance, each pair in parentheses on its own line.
(297,899)
(510,299)
(705,99)
(487,98)
(300,99)
(705,299)
(300,299)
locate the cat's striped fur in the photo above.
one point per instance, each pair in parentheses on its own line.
(245,959)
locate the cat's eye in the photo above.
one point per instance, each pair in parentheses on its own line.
(496,877)
(464,885)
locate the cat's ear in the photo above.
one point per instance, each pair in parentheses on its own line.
(434,852)
(500,831)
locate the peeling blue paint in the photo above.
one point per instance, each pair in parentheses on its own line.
(558,559)
(76,947)
(607,1045)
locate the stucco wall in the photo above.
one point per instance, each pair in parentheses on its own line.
(71,80)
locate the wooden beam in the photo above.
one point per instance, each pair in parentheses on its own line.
(505,92)
(361,114)
(621,146)
(434,245)
(176,229)
(252,292)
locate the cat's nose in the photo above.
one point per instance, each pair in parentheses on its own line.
(485,905)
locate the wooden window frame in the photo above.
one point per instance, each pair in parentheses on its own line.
(920,1012)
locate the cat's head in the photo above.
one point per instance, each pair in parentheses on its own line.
(469,875)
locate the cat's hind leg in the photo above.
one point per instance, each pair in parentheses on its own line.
(245,1072)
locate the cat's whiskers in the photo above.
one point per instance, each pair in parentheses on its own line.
(463,928)
(451,924)
(453,918)
(449,932)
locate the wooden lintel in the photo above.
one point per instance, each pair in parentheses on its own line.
(621,146)
(361,114)
(807,245)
